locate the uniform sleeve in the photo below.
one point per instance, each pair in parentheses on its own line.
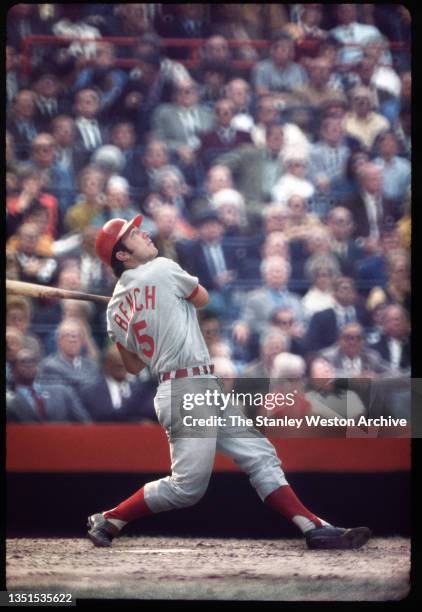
(185,285)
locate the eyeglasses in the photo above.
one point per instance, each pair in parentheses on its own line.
(286,322)
(352,337)
(43,148)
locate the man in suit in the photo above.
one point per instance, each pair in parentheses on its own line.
(224,137)
(208,257)
(67,365)
(90,133)
(260,304)
(30,400)
(350,357)
(188,22)
(115,396)
(370,209)
(324,326)
(393,345)
(21,123)
(48,101)
(344,247)
(180,123)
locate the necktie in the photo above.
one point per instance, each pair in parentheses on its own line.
(39,403)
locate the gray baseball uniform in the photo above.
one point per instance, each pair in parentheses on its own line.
(151,317)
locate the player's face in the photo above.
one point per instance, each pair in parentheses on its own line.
(141,245)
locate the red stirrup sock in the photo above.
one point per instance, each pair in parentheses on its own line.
(131,508)
(285,501)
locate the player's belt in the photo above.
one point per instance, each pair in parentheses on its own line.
(184,372)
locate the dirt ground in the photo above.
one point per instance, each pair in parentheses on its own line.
(213,569)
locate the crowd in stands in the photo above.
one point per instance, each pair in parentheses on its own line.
(278,173)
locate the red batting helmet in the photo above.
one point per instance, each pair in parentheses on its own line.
(110,234)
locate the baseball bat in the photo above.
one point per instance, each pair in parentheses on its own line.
(15,287)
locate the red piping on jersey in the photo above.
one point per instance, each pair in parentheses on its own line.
(194,292)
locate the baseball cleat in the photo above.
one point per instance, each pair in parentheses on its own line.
(101,532)
(336,537)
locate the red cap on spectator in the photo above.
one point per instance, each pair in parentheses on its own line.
(110,234)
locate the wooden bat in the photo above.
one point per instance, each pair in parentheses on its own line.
(15,287)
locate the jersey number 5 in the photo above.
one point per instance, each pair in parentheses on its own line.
(144,339)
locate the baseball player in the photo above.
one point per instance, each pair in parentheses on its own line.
(152,318)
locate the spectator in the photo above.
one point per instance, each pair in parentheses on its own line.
(123,136)
(67,365)
(210,259)
(306,31)
(213,336)
(404,130)
(349,356)
(216,49)
(272,342)
(352,34)
(15,341)
(12,75)
(370,210)
(324,326)
(239,92)
(343,246)
(327,397)
(147,87)
(361,122)
(394,344)
(155,157)
(300,223)
(33,268)
(94,276)
(293,181)
(34,401)
(117,202)
(67,160)
(287,377)
(230,207)
(275,243)
(224,137)
(268,113)
(114,396)
(347,187)
(278,74)
(256,170)
(180,123)
(396,170)
(189,22)
(328,157)
(103,75)
(218,177)
(36,214)
(170,187)
(21,122)
(212,77)
(91,182)
(285,320)
(261,302)
(321,271)
(50,100)
(319,88)
(372,269)
(91,134)
(275,218)
(397,286)
(171,227)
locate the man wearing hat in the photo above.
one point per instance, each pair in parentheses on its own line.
(152,319)
(363,123)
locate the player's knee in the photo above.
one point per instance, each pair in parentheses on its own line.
(190,493)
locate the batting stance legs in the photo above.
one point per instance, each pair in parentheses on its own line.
(192,460)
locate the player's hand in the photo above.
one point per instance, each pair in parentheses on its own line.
(241,333)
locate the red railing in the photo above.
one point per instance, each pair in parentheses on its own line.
(194,44)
